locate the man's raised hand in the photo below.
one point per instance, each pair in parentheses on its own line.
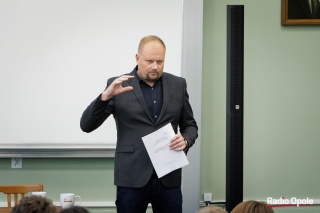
(116,88)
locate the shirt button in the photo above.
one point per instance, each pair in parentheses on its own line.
(154,102)
(155,116)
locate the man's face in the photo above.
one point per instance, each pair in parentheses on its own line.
(151,61)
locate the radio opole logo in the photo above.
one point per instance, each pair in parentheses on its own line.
(289,202)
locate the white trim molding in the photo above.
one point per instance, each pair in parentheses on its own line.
(192,72)
(56,150)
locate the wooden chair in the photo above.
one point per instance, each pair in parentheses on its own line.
(19,189)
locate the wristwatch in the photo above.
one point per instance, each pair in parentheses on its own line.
(187,144)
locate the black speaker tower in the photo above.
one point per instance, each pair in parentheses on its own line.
(234,161)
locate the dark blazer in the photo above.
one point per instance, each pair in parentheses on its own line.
(133,167)
(300,9)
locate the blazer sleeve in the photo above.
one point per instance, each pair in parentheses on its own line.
(187,124)
(96,113)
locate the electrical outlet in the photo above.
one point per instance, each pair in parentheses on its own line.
(207,197)
(16,163)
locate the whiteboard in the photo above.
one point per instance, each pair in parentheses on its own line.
(56,57)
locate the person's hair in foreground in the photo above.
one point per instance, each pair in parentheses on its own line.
(212,209)
(34,204)
(76,209)
(252,206)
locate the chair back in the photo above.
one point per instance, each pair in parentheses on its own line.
(19,189)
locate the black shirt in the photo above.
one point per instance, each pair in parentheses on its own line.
(152,96)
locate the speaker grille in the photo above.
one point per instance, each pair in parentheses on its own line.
(234,161)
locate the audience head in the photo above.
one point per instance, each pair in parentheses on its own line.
(252,206)
(34,204)
(212,209)
(76,209)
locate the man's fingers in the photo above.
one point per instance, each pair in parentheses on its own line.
(116,88)
(127,88)
(125,77)
(128,76)
(121,79)
(177,143)
(178,146)
(177,136)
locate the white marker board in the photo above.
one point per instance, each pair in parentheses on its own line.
(57,55)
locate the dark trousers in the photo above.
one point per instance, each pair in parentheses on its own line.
(136,200)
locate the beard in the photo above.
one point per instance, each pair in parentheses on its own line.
(152,77)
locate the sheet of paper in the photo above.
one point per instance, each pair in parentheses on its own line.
(163,159)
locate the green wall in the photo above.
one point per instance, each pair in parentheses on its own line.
(93,175)
(91,178)
(281,102)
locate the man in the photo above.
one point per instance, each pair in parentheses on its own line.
(142,102)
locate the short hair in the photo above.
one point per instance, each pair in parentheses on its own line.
(148,39)
(252,206)
(212,209)
(75,209)
(34,204)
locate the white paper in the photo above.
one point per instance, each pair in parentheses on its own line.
(163,159)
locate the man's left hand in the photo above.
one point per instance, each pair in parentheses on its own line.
(177,143)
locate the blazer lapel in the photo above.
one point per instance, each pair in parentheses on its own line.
(138,93)
(166,92)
